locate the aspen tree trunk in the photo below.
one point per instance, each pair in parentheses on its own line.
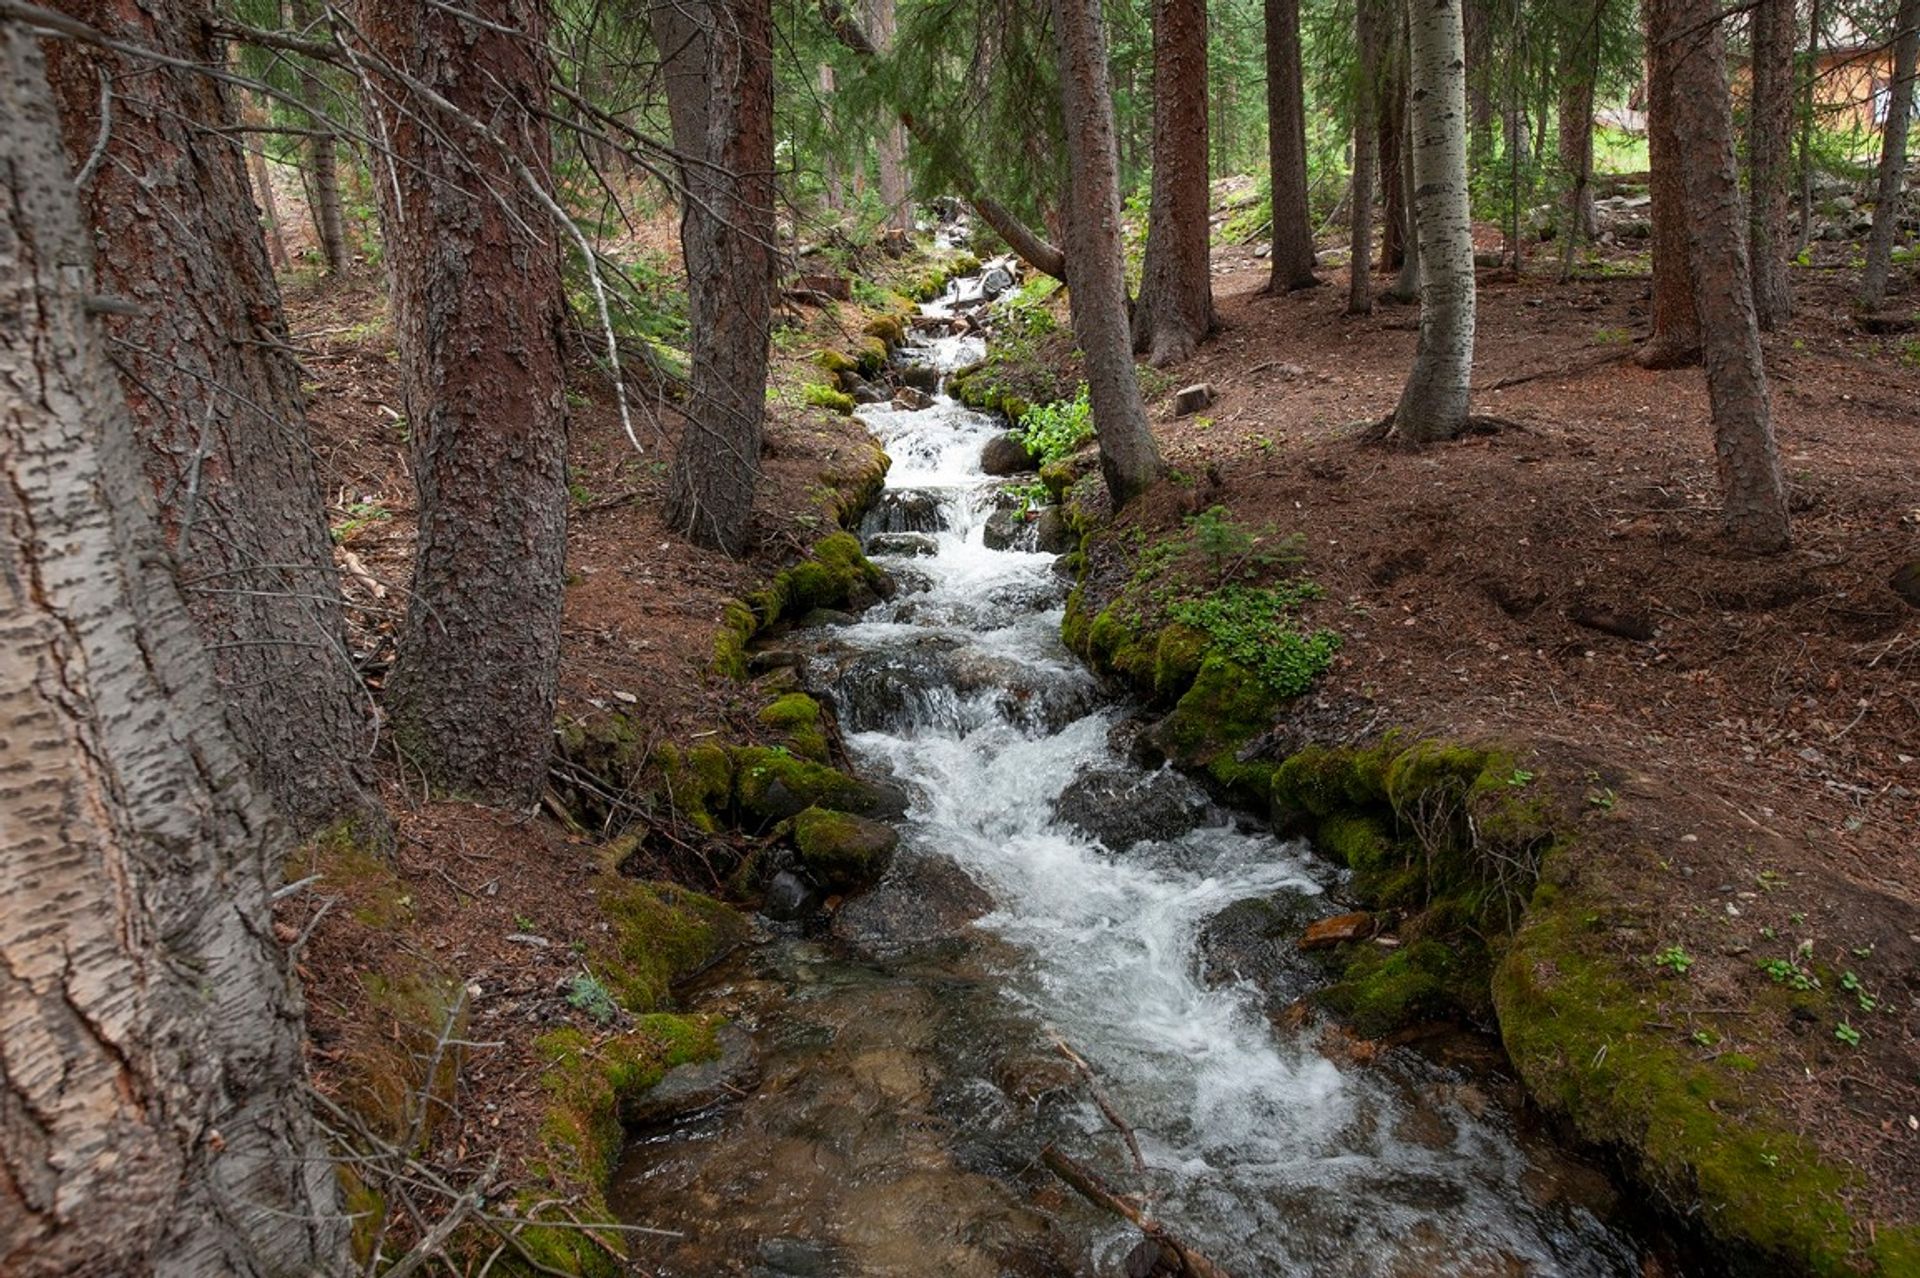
(152,1114)
(1675,342)
(829,163)
(478,315)
(1748,464)
(215,400)
(1174,313)
(1096,265)
(1433,405)
(1366,129)
(1770,159)
(720,99)
(1889,195)
(1287,151)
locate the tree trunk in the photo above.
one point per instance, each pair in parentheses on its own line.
(1096,262)
(892,142)
(1676,324)
(152,1112)
(1406,285)
(1690,35)
(1391,107)
(1576,124)
(1287,151)
(323,158)
(1480,114)
(1433,405)
(253,117)
(829,161)
(1366,128)
(1893,158)
(1175,309)
(216,400)
(1770,159)
(1809,80)
(478,315)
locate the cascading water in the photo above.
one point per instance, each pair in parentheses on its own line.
(909,1080)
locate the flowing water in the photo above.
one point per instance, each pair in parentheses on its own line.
(907,1078)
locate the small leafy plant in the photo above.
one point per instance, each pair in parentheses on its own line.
(1057,430)
(1675,959)
(586,994)
(1253,626)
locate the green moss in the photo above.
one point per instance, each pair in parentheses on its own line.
(589,1081)
(797,717)
(834,362)
(1584,1031)
(374,891)
(737,627)
(661,933)
(1225,708)
(1384,991)
(820,395)
(841,851)
(889,329)
(828,578)
(870,356)
(402,1081)
(1177,656)
(696,782)
(771,785)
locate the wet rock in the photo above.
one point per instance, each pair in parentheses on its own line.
(1005,530)
(1121,808)
(923,900)
(996,280)
(904,510)
(921,377)
(1191,399)
(912,399)
(937,682)
(796,1258)
(865,392)
(843,852)
(788,897)
(1252,940)
(1050,533)
(688,1089)
(817,617)
(1029,1076)
(1341,929)
(902,543)
(1005,455)
(771,659)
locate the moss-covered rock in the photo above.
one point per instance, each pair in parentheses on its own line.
(1382,991)
(820,395)
(696,782)
(797,717)
(661,934)
(834,575)
(843,852)
(772,785)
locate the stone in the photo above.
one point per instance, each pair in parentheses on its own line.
(904,510)
(1005,530)
(865,392)
(1262,250)
(1906,583)
(996,280)
(1323,934)
(1005,455)
(902,543)
(1191,399)
(688,1089)
(1251,940)
(1051,536)
(788,897)
(923,900)
(1121,808)
(912,399)
(923,377)
(843,852)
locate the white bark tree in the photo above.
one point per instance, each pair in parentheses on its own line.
(151,1110)
(1433,405)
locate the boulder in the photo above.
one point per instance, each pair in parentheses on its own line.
(915,510)
(996,280)
(1341,929)
(1120,807)
(688,1089)
(1005,530)
(1191,399)
(924,900)
(1252,940)
(919,376)
(1006,455)
(843,852)
(912,399)
(902,543)
(788,897)
(865,392)
(1050,532)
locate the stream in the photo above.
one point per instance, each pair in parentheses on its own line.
(906,1077)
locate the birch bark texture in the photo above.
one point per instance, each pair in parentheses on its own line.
(478,315)
(1889,193)
(1095,261)
(215,398)
(152,1115)
(718,58)
(1433,404)
(1751,487)
(1174,313)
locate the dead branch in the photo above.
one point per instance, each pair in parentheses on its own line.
(1180,1258)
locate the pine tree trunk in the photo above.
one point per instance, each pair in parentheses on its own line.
(478,315)
(1893,158)
(152,1111)
(1433,405)
(216,401)
(1390,104)
(1096,265)
(892,142)
(1675,342)
(1406,285)
(1576,125)
(1480,113)
(720,99)
(323,158)
(1174,313)
(1689,33)
(1366,128)
(1770,159)
(253,117)
(1809,80)
(1287,151)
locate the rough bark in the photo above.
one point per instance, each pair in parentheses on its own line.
(1749,467)
(1292,260)
(323,156)
(1770,159)
(1174,313)
(1809,80)
(151,1109)
(1893,157)
(478,314)
(216,399)
(1676,324)
(1096,263)
(1576,124)
(891,145)
(1366,129)
(1433,405)
(720,96)
(1391,133)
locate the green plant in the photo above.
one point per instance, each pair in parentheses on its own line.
(360,516)
(1030,496)
(1253,626)
(1786,972)
(1675,959)
(1235,550)
(1847,1034)
(1519,777)
(586,994)
(1057,430)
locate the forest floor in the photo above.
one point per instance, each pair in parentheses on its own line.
(1562,583)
